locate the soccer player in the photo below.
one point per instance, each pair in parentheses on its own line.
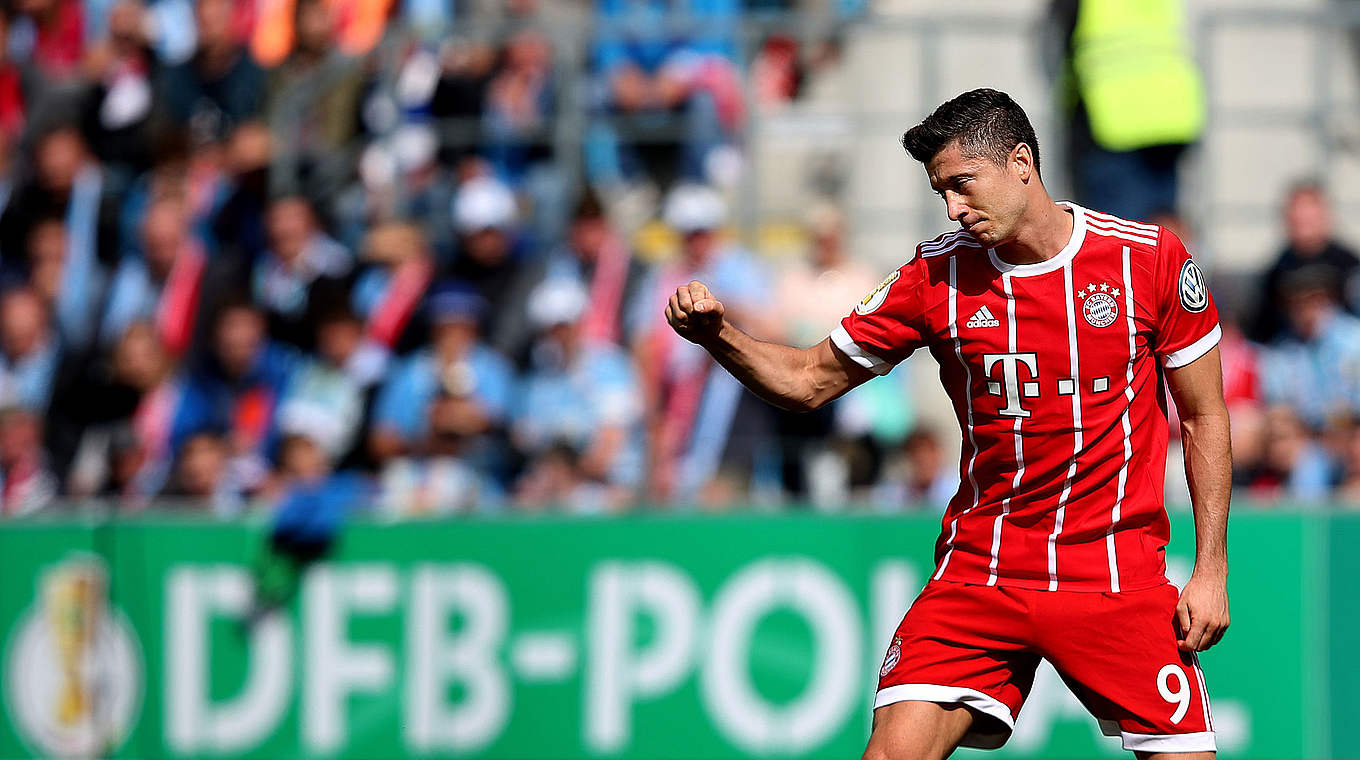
(1053,326)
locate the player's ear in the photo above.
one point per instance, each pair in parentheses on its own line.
(1022,159)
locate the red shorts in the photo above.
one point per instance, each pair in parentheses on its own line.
(979,646)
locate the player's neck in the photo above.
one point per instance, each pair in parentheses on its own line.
(1040,237)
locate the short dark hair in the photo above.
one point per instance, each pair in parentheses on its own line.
(985,122)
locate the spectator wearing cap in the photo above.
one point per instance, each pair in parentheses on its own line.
(491,251)
(458,366)
(1315,369)
(1310,243)
(302,272)
(236,388)
(164,284)
(438,423)
(580,392)
(692,407)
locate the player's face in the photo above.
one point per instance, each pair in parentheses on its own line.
(983,198)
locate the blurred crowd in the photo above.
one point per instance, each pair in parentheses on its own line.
(325,255)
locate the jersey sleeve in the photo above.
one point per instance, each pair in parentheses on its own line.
(1187,318)
(887,324)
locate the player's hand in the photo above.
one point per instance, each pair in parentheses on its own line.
(1202,612)
(694,313)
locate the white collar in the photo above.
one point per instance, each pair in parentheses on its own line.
(1052,264)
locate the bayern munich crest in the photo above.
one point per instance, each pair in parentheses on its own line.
(1098,304)
(892,658)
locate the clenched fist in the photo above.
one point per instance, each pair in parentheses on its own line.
(694,313)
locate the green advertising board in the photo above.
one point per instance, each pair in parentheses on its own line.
(657,638)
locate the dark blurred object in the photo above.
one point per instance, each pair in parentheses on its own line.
(312,508)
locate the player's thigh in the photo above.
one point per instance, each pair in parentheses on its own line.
(1118,654)
(961,645)
(916,730)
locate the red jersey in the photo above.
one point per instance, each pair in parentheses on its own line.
(1054,371)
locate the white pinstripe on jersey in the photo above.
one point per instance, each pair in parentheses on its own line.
(1122,235)
(1019,445)
(949,242)
(1111,226)
(1102,216)
(1124,421)
(1076,431)
(968,397)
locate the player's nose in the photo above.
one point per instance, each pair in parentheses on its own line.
(956,208)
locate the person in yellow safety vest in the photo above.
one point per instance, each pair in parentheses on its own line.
(1136,99)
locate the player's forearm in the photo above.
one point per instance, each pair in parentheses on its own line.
(776,373)
(1208,468)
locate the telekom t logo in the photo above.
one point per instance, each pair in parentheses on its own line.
(1010,378)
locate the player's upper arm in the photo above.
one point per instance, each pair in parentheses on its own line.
(1197,387)
(1187,318)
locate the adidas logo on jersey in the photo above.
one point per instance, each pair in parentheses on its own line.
(983,318)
